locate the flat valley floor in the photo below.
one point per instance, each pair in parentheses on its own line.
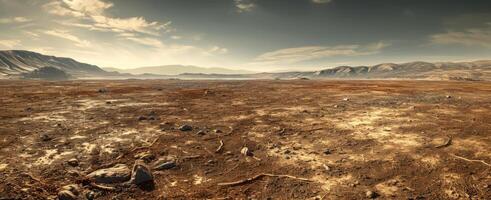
(305,139)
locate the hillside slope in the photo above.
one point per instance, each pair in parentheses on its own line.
(178,69)
(15,62)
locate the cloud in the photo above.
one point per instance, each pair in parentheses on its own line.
(92,12)
(471,37)
(217,50)
(146,41)
(14,20)
(299,54)
(244,5)
(321,1)
(9,44)
(65,35)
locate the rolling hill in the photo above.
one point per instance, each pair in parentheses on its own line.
(178,69)
(16,62)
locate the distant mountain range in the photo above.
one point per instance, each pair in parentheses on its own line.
(16,64)
(178,69)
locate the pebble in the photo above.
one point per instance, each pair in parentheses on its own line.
(69,192)
(165,165)
(246,151)
(371,194)
(201,132)
(73,162)
(185,128)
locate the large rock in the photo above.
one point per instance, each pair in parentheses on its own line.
(141,173)
(117,174)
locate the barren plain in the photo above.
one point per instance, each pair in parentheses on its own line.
(296,139)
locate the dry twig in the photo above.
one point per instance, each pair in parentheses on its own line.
(219,147)
(470,160)
(148,146)
(101,187)
(244,181)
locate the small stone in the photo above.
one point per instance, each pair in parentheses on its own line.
(246,151)
(185,128)
(287,151)
(218,131)
(108,102)
(163,165)
(90,195)
(371,194)
(142,118)
(141,173)
(69,192)
(117,174)
(66,195)
(327,151)
(346,99)
(73,162)
(201,132)
(448,97)
(102,90)
(45,137)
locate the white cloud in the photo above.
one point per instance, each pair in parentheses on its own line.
(93,11)
(472,37)
(299,54)
(244,5)
(321,1)
(65,35)
(146,41)
(217,50)
(14,20)
(9,44)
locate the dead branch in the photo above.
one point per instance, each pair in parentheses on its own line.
(219,147)
(470,160)
(101,187)
(244,181)
(191,157)
(148,146)
(447,143)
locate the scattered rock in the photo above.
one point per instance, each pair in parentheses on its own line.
(102,90)
(287,151)
(246,151)
(165,165)
(45,137)
(167,162)
(73,162)
(117,174)
(371,194)
(69,192)
(201,132)
(142,118)
(327,151)
(185,128)
(141,173)
(90,195)
(218,131)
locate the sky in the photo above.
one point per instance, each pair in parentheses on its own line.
(259,35)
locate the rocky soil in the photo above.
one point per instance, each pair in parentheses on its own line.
(296,139)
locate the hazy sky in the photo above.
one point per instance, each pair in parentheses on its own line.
(263,35)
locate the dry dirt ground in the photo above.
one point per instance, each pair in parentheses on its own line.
(334,139)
